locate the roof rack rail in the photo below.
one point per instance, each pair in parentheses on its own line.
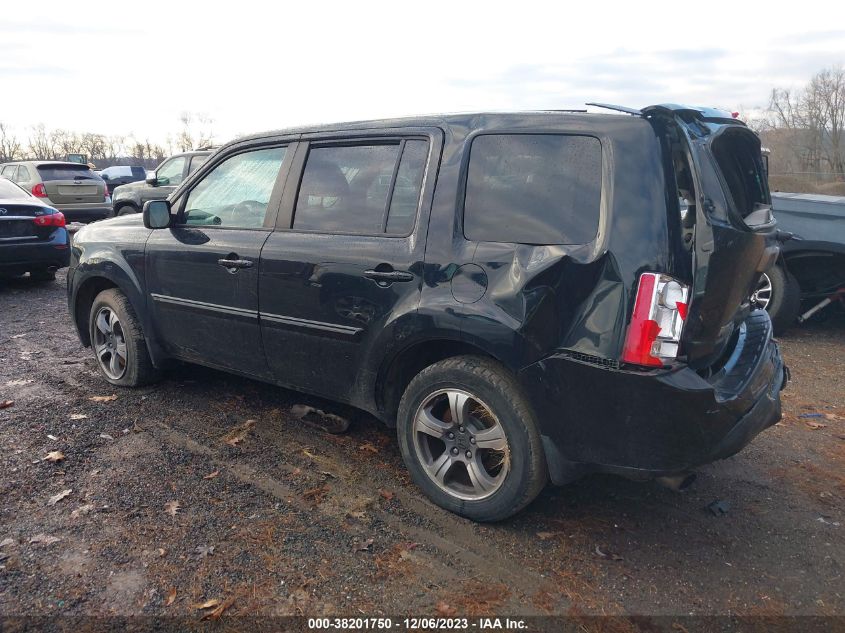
(618,108)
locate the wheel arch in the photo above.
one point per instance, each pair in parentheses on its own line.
(397,371)
(92,285)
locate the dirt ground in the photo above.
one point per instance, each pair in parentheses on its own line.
(204,487)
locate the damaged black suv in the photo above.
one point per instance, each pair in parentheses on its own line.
(526,296)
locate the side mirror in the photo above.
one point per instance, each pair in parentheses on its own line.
(151,178)
(157,214)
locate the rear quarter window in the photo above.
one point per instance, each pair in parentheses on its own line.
(533,189)
(65,172)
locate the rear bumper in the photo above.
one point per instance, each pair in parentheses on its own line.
(82,212)
(648,424)
(25,256)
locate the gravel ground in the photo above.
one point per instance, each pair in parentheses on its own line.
(204,487)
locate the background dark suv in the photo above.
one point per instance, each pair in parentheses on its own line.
(158,184)
(525,296)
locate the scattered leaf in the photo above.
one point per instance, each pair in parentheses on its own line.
(17,383)
(367,446)
(103,398)
(58,497)
(365,546)
(316,494)
(7,541)
(545,536)
(162,552)
(54,456)
(308,453)
(203,551)
(137,428)
(445,609)
(208,604)
(18,335)
(44,539)
(171,597)
(78,416)
(832,416)
(5,404)
(212,475)
(609,555)
(82,510)
(387,494)
(215,615)
(52,437)
(238,434)
(106,436)
(172,507)
(815,426)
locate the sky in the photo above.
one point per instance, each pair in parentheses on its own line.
(133,67)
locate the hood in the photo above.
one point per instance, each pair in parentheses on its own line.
(130,187)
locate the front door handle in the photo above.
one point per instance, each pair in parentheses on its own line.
(387,277)
(234,264)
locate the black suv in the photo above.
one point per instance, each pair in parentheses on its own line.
(158,184)
(524,296)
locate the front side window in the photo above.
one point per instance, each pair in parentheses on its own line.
(170,173)
(236,192)
(362,189)
(533,189)
(9,171)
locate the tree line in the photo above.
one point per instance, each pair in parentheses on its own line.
(805,131)
(103,150)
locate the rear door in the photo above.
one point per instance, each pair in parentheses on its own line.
(202,273)
(70,183)
(345,262)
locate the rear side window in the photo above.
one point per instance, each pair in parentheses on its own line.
(363,189)
(23,174)
(65,172)
(196,161)
(533,189)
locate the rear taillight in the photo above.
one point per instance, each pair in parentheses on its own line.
(51,219)
(657,322)
(39,191)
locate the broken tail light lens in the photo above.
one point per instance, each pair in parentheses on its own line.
(660,310)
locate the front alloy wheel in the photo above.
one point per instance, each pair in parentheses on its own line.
(461,444)
(763,295)
(110,343)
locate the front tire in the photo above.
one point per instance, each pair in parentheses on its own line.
(118,341)
(126,209)
(469,439)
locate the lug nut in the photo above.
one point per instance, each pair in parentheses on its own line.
(461,429)
(454,450)
(469,455)
(451,436)
(472,440)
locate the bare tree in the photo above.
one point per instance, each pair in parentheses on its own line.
(196,131)
(811,123)
(10,147)
(40,146)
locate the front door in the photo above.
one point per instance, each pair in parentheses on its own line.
(202,273)
(346,259)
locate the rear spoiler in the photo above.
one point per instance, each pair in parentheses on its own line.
(673,109)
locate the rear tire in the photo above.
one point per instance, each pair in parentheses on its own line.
(118,341)
(42,275)
(785,302)
(492,464)
(126,209)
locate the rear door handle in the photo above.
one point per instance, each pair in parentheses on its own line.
(235,263)
(387,277)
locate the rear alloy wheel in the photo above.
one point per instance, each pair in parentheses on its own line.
(469,439)
(118,341)
(779,294)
